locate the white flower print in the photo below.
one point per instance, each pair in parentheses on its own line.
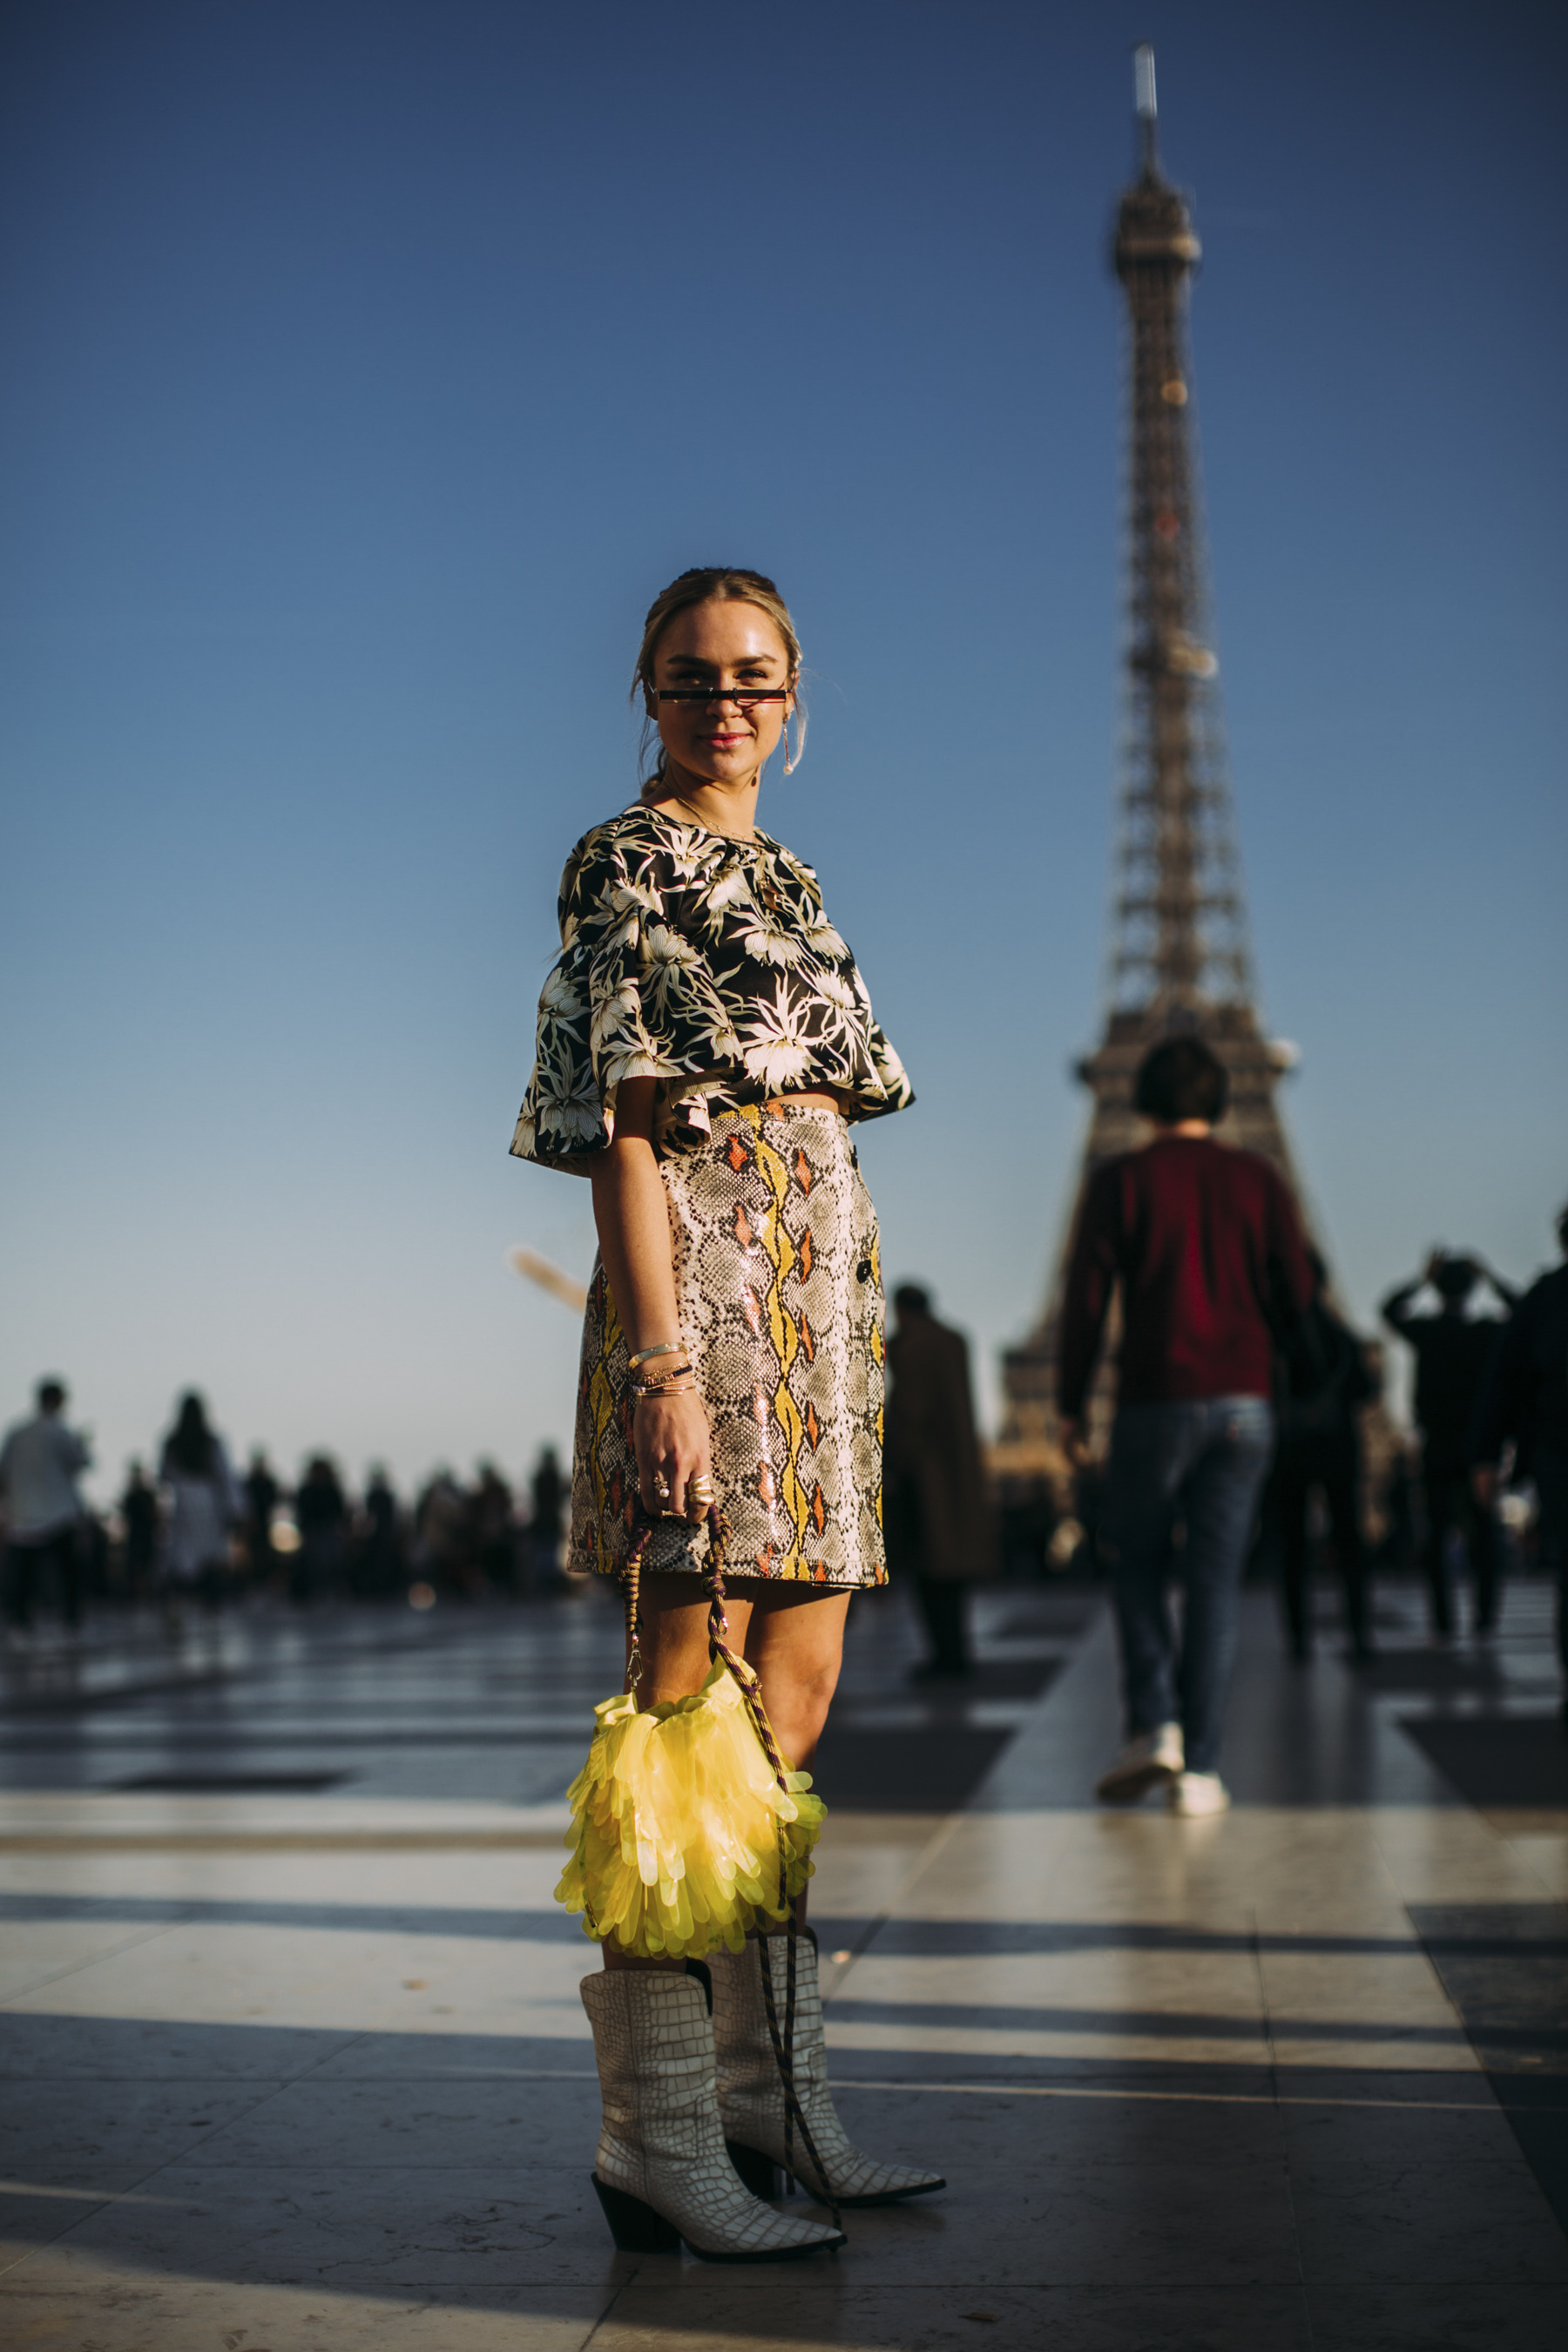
(561,997)
(768,942)
(823,940)
(779,1044)
(636,1057)
(667,959)
(634,898)
(569,1110)
(614,1017)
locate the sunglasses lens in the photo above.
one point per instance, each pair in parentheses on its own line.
(743,701)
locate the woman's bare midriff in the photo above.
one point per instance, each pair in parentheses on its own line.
(780,1105)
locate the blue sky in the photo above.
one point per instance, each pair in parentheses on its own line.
(370,367)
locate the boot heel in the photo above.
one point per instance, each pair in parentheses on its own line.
(636,2228)
(758,2172)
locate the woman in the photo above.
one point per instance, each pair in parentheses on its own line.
(203,1505)
(704,1038)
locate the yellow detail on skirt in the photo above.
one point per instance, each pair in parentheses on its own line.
(778,1284)
(681,1838)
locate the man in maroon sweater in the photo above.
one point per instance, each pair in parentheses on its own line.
(1204,1244)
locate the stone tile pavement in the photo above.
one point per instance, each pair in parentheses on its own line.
(302,2073)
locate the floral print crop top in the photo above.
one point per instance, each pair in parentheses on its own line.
(704,963)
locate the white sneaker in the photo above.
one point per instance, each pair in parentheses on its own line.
(1148,1759)
(1198,1792)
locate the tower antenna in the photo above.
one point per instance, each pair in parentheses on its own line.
(1148,110)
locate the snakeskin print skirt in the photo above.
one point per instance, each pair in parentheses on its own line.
(778,1281)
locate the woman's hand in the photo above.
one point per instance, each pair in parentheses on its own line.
(672,1442)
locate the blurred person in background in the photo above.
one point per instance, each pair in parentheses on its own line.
(40,1462)
(1453,1351)
(495,1535)
(936,1515)
(444,1524)
(262,1496)
(321,1514)
(381,1562)
(1320,1450)
(1205,1247)
(204,1505)
(1523,1403)
(1388,1496)
(547,1494)
(139,1518)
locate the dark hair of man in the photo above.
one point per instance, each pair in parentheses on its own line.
(190,1448)
(1456,1278)
(1180,1078)
(910,1298)
(51,1395)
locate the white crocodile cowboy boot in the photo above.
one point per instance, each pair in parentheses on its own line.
(750,2093)
(662,2172)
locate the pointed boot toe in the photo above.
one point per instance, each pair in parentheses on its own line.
(750,2094)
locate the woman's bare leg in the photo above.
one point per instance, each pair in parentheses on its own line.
(792,1633)
(795,1640)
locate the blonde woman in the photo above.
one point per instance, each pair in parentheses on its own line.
(705,1041)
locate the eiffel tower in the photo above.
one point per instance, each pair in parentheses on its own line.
(1179,959)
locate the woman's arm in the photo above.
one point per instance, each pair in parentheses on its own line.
(633,1218)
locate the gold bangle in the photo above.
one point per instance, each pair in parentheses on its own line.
(664,1347)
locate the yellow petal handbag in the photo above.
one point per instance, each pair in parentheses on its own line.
(689,1829)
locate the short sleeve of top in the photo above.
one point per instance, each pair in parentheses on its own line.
(709,964)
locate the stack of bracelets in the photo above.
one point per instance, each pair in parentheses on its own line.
(671,1380)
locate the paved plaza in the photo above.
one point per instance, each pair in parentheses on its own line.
(294,2058)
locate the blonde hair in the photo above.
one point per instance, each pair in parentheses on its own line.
(715,584)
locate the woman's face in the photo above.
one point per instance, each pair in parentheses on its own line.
(724,648)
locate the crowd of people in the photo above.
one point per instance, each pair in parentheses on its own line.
(195,1532)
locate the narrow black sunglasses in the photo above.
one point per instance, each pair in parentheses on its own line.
(744,697)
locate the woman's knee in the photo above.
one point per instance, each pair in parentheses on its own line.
(797,1691)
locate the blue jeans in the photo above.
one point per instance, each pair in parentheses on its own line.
(1202,1463)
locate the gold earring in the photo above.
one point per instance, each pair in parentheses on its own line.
(789,764)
